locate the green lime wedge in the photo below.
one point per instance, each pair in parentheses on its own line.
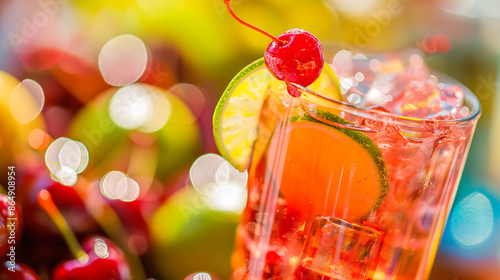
(359,167)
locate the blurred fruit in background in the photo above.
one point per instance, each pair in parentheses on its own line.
(188,235)
(138,127)
(19,115)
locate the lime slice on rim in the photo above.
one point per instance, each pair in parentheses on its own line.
(237,114)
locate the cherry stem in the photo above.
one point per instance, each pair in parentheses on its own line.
(278,41)
(46,202)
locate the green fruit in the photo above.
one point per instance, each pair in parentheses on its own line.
(172,148)
(188,236)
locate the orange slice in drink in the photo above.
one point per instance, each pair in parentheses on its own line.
(326,170)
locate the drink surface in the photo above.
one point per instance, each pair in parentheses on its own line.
(338,194)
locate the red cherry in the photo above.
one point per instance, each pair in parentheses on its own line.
(10,224)
(17,271)
(105,261)
(296,58)
(97,259)
(68,201)
(135,224)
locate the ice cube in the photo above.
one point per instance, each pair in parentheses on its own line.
(426,100)
(367,80)
(337,249)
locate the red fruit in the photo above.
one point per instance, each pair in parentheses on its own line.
(17,272)
(135,224)
(296,58)
(67,199)
(10,224)
(105,262)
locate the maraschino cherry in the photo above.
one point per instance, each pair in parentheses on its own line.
(295,57)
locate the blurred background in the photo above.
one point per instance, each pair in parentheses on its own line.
(114,90)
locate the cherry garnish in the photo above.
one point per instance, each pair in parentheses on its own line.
(295,57)
(299,60)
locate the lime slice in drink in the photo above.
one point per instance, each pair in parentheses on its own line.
(327,170)
(237,114)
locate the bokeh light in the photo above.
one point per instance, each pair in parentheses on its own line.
(222,184)
(140,106)
(26,101)
(123,60)
(38,139)
(192,95)
(471,8)
(202,276)
(117,185)
(471,222)
(65,158)
(354,7)
(66,176)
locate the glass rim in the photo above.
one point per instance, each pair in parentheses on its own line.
(470,100)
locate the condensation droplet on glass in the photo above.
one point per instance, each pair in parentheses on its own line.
(26,101)
(123,60)
(435,81)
